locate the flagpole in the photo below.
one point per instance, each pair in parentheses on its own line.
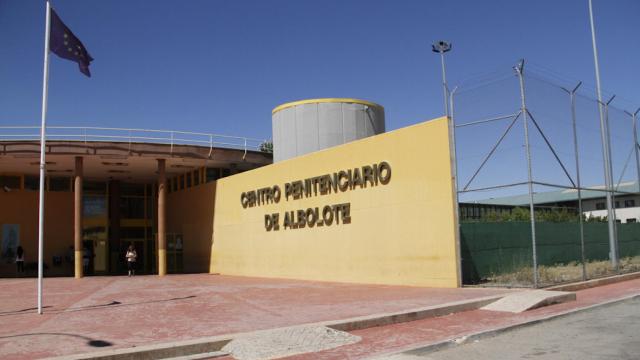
(45,91)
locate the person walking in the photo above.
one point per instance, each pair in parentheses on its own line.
(20,260)
(131,259)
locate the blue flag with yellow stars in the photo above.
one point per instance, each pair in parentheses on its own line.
(63,43)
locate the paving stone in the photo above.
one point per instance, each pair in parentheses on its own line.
(277,343)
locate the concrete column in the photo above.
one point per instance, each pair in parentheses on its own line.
(162,235)
(77,219)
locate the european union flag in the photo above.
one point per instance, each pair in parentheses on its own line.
(63,43)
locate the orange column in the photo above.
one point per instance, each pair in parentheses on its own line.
(162,201)
(77,219)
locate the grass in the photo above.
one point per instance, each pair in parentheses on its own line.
(562,273)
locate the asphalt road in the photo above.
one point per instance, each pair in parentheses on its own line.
(608,332)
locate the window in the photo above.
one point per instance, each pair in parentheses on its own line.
(196,178)
(94,206)
(59,184)
(132,189)
(632,220)
(617,204)
(180,182)
(629,203)
(10,182)
(94,187)
(32,183)
(212,174)
(600,206)
(174,184)
(226,172)
(189,176)
(132,207)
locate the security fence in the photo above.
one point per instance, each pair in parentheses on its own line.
(547,178)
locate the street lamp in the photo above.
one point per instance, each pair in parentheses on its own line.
(443,47)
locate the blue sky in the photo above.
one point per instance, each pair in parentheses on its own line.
(222,66)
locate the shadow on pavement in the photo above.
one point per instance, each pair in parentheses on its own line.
(91,342)
(113,303)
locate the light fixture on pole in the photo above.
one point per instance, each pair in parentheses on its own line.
(442,47)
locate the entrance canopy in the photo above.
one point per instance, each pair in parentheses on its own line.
(134,162)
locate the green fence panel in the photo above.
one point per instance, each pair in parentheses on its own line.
(596,241)
(629,240)
(492,248)
(557,243)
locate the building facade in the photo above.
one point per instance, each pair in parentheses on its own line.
(102,196)
(364,211)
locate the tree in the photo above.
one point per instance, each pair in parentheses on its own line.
(266,147)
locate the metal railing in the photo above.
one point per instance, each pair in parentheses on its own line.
(123,135)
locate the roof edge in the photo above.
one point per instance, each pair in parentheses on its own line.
(325,100)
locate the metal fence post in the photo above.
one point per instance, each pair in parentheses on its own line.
(608,177)
(636,144)
(210,146)
(572,94)
(245,149)
(519,68)
(611,210)
(454,183)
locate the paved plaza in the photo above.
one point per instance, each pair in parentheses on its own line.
(100,313)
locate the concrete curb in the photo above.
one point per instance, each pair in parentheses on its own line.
(595,282)
(423,350)
(157,351)
(216,343)
(365,322)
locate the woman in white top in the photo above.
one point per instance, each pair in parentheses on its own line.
(131,259)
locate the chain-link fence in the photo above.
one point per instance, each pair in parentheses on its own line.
(548,181)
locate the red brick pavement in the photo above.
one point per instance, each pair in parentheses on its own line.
(123,312)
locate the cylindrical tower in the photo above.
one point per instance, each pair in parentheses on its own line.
(305,126)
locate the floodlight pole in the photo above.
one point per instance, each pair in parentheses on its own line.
(608,176)
(442,47)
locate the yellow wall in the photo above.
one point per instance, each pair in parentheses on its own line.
(400,233)
(21,207)
(190,213)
